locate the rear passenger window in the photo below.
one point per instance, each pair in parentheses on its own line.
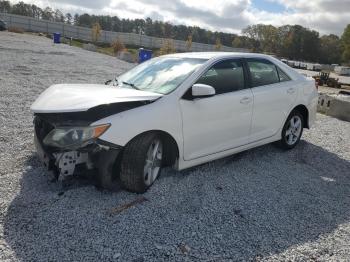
(283,76)
(262,72)
(226,76)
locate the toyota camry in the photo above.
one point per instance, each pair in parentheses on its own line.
(177,110)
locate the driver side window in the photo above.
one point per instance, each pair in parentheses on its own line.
(225,76)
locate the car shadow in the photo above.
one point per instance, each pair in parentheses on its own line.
(265,201)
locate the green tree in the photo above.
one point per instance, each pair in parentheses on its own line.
(5,7)
(36,11)
(264,38)
(253,33)
(85,20)
(195,34)
(297,42)
(269,39)
(311,45)
(331,49)
(48,14)
(241,42)
(58,16)
(22,8)
(76,19)
(69,18)
(345,40)
(149,26)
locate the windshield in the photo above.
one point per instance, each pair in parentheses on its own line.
(160,75)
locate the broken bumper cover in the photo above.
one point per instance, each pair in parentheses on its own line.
(67,162)
(46,158)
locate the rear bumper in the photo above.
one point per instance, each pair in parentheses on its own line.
(312,108)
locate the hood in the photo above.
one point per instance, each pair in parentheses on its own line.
(81,97)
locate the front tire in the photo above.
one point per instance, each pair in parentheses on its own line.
(292,130)
(142,162)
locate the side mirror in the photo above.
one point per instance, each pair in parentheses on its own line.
(202,91)
(108,82)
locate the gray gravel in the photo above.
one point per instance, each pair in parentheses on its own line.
(263,204)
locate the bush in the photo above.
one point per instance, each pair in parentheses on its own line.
(96,32)
(15,29)
(218,44)
(167,47)
(117,46)
(189,43)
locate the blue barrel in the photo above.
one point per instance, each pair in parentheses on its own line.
(57,38)
(144,55)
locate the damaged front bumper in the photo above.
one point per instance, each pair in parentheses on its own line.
(97,154)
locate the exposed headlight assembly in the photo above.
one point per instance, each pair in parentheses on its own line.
(68,137)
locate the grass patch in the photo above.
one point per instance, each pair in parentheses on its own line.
(106,50)
(77,43)
(134,51)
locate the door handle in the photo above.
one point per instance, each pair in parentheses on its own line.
(291,90)
(246,100)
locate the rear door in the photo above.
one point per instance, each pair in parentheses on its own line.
(274,95)
(220,122)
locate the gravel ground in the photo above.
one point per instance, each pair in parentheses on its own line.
(260,205)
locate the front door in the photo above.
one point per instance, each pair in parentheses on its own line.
(220,122)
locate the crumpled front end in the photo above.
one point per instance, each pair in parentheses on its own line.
(71,158)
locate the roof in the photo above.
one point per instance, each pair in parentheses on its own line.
(217,55)
(210,55)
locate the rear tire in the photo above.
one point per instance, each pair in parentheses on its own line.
(141,162)
(292,130)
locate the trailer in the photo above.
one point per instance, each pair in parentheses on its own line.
(310,66)
(291,63)
(342,70)
(303,65)
(317,67)
(313,67)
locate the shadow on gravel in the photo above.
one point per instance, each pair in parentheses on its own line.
(244,208)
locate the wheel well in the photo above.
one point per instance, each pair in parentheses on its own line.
(171,152)
(305,113)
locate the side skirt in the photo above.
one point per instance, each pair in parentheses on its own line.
(182,164)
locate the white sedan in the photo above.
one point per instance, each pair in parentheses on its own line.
(177,110)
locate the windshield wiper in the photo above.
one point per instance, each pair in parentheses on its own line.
(131,84)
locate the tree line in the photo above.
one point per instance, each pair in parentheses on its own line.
(289,41)
(298,43)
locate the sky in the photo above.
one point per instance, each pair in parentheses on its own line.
(325,16)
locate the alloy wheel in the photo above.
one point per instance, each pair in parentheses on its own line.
(153,162)
(293,130)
